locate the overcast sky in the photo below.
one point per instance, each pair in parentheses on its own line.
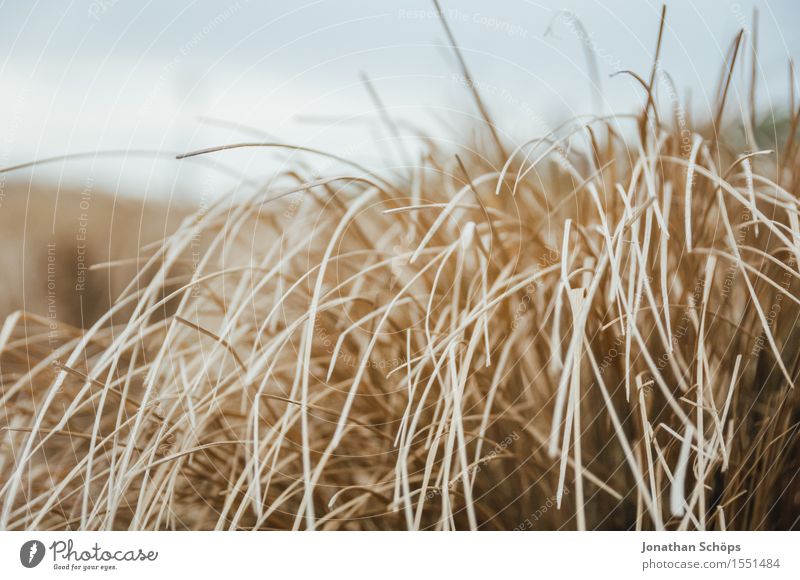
(119,75)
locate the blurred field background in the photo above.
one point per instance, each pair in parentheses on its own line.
(53,241)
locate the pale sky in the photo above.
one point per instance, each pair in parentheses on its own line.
(122,75)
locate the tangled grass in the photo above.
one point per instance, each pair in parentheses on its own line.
(596,329)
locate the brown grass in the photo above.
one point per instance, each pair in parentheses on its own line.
(596,329)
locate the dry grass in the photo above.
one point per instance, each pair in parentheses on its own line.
(586,331)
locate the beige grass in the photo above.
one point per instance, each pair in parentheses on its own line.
(584,331)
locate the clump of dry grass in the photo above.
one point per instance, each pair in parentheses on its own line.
(585,332)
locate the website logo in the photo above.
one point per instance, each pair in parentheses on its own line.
(31,553)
